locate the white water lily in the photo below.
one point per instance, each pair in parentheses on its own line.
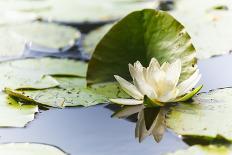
(158,83)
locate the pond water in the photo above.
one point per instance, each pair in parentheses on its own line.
(88,131)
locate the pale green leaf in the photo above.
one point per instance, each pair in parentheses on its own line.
(207,26)
(30,149)
(208,115)
(13,114)
(204,150)
(34,73)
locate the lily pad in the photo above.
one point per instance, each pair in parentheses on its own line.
(48,35)
(91,39)
(30,149)
(207,25)
(207,116)
(35,73)
(204,150)
(72,11)
(13,114)
(140,36)
(70,94)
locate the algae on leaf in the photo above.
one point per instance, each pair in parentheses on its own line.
(209,116)
(13,114)
(30,149)
(208,23)
(74,93)
(140,36)
(204,150)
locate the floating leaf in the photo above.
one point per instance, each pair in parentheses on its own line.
(208,116)
(34,73)
(140,36)
(72,11)
(91,39)
(30,149)
(70,95)
(12,114)
(47,35)
(204,150)
(207,25)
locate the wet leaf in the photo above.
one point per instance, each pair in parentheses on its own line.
(207,25)
(204,150)
(140,36)
(207,116)
(30,149)
(13,114)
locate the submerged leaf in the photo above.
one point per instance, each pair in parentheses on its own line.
(30,149)
(140,36)
(204,150)
(207,116)
(13,114)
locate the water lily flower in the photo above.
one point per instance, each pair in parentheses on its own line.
(158,83)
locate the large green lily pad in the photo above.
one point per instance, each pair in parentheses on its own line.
(35,73)
(71,92)
(91,11)
(208,23)
(140,36)
(30,149)
(91,39)
(208,116)
(204,150)
(13,114)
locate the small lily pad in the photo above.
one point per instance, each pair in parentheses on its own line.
(141,36)
(13,114)
(30,149)
(35,73)
(208,25)
(208,115)
(204,150)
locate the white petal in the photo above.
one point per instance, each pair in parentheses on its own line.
(185,86)
(127,101)
(127,111)
(140,82)
(169,96)
(173,72)
(129,88)
(138,66)
(154,63)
